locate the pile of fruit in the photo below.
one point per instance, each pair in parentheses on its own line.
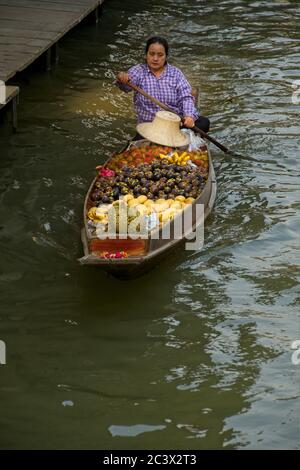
(181,159)
(117,255)
(136,156)
(150,180)
(157,180)
(132,208)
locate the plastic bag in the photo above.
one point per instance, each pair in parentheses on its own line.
(196,142)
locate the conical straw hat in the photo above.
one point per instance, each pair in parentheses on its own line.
(164,130)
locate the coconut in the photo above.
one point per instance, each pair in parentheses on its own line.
(141,209)
(142,199)
(133,202)
(156,208)
(165,216)
(149,203)
(164,206)
(189,200)
(128,197)
(133,212)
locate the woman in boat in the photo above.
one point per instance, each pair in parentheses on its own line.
(165,83)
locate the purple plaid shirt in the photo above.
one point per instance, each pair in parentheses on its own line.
(171,88)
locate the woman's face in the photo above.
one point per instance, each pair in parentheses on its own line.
(156,57)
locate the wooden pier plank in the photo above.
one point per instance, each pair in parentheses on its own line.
(30,28)
(33,14)
(21,41)
(45,3)
(48,6)
(25,33)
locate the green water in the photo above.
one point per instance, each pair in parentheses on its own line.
(197,353)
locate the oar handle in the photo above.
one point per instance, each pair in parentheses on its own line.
(166,108)
(211,139)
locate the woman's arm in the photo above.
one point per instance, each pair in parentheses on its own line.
(188,121)
(124,77)
(187,102)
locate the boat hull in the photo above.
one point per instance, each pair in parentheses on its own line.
(157,249)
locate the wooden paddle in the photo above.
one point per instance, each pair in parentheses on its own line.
(196,129)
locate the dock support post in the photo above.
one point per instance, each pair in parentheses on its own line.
(14,114)
(11,101)
(48,60)
(56,52)
(97,14)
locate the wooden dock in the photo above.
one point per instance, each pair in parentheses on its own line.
(30,28)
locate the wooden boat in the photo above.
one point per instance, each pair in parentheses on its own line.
(143,253)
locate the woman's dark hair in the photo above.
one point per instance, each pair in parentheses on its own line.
(158,40)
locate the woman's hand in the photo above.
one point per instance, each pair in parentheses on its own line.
(188,121)
(123,77)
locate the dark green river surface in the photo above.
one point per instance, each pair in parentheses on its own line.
(197,354)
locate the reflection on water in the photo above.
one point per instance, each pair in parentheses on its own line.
(132,431)
(196,354)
